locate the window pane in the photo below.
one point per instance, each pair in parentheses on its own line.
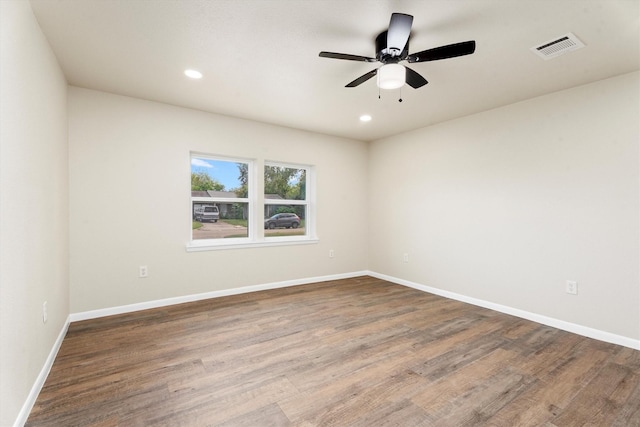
(213,183)
(219,175)
(285,220)
(282,183)
(220,220)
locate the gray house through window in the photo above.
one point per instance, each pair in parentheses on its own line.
(228,210)
(207,198)
(270,210)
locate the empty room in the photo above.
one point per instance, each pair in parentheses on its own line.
(320,213)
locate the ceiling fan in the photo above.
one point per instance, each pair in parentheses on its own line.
(392,46)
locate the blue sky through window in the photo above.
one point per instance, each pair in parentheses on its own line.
(222,171)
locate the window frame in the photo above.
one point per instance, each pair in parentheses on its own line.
(256,203)
(200,244)
(309,196)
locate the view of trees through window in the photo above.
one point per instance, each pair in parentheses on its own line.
(282,185)
(288,183)
(219,199)
(221,206)
(200,181)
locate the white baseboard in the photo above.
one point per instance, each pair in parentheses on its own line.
(545,320)
(42,377)
(93,314)
(538,318)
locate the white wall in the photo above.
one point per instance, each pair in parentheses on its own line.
(506,205)
(130,198)
(33,204)
(502,206)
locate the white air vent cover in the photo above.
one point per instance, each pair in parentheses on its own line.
(558,46)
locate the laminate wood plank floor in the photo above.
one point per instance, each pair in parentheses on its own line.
(353,352)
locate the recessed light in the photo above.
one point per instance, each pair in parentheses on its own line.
(365,118)
(193,74)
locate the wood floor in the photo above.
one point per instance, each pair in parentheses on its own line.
(355,352)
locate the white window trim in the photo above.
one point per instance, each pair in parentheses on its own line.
(310,220)
(199,246)
(256,237)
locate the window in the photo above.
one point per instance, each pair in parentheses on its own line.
(226,210)
(220,207)
(285,200)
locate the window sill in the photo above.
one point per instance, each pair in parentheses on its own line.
(207,245)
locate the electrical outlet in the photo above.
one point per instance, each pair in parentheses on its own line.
(405,258)
(331,253)
(143,272)
(44,312)
(572,287)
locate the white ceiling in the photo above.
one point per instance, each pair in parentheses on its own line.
(260,57)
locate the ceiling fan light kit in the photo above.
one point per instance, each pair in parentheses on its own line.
(392,47)
(391,76)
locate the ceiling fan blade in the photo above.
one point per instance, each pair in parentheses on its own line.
(363,78)
(414,79)
(444,52)
(398,33)
(347,57)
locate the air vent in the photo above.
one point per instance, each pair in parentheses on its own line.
(559,46)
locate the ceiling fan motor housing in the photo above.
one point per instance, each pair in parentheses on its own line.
(385,55)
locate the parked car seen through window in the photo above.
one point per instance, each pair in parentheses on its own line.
(286,220)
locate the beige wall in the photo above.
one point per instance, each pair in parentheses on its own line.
(503,206)
(33,204)
(130,196)
(506,205)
